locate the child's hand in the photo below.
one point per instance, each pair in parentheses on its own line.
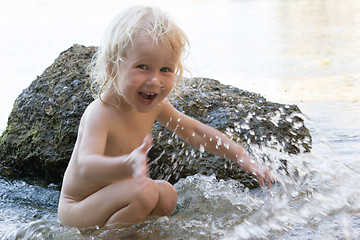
(262,174)
(138,159)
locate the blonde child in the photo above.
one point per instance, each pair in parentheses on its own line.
(107,180)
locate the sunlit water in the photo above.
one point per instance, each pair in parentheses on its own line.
(303,52)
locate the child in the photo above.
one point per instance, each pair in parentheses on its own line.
(107,179)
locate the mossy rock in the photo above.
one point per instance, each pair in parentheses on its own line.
(42,127)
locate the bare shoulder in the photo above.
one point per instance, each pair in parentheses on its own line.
(95,121)
(96,112)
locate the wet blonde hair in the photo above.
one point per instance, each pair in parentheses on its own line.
(124,29)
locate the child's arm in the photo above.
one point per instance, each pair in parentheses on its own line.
(93,164)
(211,140)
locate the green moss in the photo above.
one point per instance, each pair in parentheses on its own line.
(33,133)
(11,128)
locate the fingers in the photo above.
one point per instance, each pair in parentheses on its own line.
(269,182)
(265,178)
(140,168)
(261,181)
(147,144)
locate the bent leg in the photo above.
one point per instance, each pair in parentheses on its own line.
(167,199)
(141,207)
(125,201)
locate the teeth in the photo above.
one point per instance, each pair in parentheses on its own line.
(147,96)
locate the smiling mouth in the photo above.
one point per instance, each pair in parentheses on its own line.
(147,97)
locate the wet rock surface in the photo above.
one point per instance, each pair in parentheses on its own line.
(246,117)
(42,127)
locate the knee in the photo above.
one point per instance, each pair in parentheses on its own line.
(147,195)
(167,199)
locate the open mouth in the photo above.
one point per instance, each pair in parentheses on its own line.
(147,97)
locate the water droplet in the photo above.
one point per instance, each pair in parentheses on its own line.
(202,148)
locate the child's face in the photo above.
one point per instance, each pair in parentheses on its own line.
(147,76)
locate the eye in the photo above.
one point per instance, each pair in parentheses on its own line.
(165,69)
(142,66)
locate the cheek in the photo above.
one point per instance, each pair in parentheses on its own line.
(168,86)
(169,82)
(123,86)
(119,85)
(130,81)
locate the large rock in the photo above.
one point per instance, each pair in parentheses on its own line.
(42,127)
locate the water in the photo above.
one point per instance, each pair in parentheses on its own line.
(303,52)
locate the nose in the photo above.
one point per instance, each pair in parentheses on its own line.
(154,80)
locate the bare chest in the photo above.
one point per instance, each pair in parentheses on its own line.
(127,134)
